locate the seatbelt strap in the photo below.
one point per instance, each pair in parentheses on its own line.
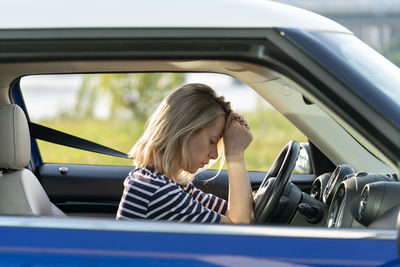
(44,133)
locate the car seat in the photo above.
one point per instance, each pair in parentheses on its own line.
(20,191)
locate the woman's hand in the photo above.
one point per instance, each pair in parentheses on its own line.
(237,138)
(237,135)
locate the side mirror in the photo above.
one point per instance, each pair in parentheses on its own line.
(303,163)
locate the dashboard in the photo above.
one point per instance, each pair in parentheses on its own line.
(358,199)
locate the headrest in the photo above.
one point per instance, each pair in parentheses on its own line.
(15,146)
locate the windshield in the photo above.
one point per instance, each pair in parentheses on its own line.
(375,68)
(363,87)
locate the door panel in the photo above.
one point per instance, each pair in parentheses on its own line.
(97,189)
(154,244)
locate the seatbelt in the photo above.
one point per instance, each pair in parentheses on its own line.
(44,133)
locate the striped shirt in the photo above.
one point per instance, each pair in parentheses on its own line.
(151,195)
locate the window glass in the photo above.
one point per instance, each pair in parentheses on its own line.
(365,61)
(112,109)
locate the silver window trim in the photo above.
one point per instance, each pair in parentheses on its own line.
(188,228)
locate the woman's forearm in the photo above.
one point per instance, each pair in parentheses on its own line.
(240,200)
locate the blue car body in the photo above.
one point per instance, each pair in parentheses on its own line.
(163,244)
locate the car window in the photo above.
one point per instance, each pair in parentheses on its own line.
(112,109)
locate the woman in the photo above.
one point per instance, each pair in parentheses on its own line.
(182,136)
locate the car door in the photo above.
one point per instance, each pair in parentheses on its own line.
(299,245)
(84,242)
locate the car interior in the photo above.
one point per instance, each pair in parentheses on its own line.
(21,192)
(348,182)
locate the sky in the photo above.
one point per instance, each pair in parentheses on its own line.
(46,96)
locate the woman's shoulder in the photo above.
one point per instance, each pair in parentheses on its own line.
(147,175)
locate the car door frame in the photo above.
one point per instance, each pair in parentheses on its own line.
(244,45)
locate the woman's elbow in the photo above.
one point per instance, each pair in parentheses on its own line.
(239,220)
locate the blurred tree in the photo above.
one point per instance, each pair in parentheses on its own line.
(392,50)
(135,93)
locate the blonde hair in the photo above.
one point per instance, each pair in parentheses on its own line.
(182,114)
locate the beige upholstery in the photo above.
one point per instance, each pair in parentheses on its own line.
(20,191)
(14,137)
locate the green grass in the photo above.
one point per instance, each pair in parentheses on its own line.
(270,129)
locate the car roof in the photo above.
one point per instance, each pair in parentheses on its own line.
(28,14)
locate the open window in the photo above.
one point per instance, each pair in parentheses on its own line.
(112,109)
(83,125)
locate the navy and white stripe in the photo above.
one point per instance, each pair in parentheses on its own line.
(151,195)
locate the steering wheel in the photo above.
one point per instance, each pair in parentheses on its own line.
(281,169)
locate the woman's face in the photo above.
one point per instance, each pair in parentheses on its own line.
(203,146)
